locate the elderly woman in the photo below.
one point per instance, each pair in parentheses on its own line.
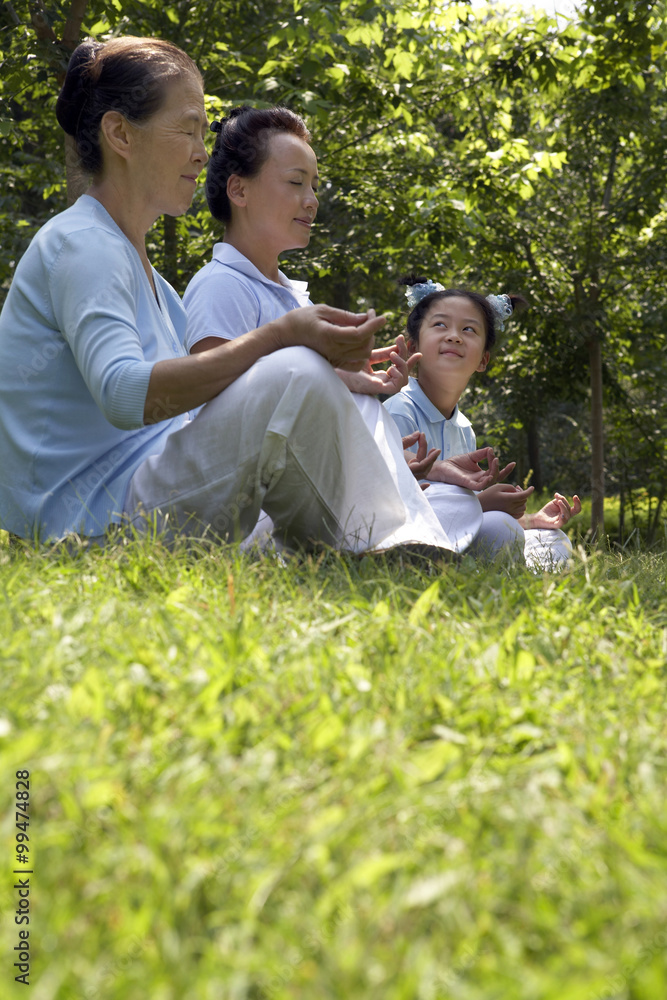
(96,387)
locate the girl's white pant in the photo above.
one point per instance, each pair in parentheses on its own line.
(287,437)
(489,533)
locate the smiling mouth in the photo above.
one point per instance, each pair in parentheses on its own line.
(304,222)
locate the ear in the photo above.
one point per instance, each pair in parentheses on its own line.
(236,190)
(116,132)
(411,343)
(481,367)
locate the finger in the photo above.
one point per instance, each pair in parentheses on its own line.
(351,348)
(576,505)
(482,455)
(402,347)
(399,363)
(413,360)
(343,317)
(358,326)
(410,439)
(380,354)
(504,473)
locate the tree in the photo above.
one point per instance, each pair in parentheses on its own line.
(586,160)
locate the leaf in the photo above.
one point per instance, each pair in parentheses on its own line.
(424,891)
(370,870)
(327,732)
(424,604)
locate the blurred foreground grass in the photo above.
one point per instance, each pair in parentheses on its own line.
(334,779)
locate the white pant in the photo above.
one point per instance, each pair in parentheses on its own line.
(421,522)
(488,533)
(285,436)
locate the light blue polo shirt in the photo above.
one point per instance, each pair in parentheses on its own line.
(413,411)
(230,296)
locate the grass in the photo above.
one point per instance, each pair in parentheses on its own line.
(334,780)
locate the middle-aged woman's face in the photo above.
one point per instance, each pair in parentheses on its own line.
(281,200)
(170,150)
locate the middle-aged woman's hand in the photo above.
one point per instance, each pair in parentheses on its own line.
(388,381)
(465,470)
(345,339)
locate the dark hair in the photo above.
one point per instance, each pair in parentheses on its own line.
(242,147)
(419,311)
(126,75)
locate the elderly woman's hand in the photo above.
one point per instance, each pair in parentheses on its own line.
(345,339)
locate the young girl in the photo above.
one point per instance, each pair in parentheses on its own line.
(455,330)
(262,186)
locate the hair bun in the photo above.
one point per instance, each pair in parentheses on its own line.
(412,279)
(76,88)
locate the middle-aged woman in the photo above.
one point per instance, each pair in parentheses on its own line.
(261,185)
(96,387)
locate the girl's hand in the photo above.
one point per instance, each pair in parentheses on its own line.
(505,497)
(465,470)
(388,382)
(422,460)
(345,339)
(554,514)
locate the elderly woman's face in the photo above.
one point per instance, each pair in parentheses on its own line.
(169,149)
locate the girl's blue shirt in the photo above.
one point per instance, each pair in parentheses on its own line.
(413,411)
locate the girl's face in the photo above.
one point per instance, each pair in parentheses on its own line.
(280,201)
(452,338)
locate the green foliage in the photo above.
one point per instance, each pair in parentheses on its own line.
(328,779)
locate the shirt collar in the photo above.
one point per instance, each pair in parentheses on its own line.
(423,403)
(229,255)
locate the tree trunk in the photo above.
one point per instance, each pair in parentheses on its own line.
(77,180)
(597,439)
(340,293)
(533,443)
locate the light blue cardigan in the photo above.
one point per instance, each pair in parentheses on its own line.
(80,332)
